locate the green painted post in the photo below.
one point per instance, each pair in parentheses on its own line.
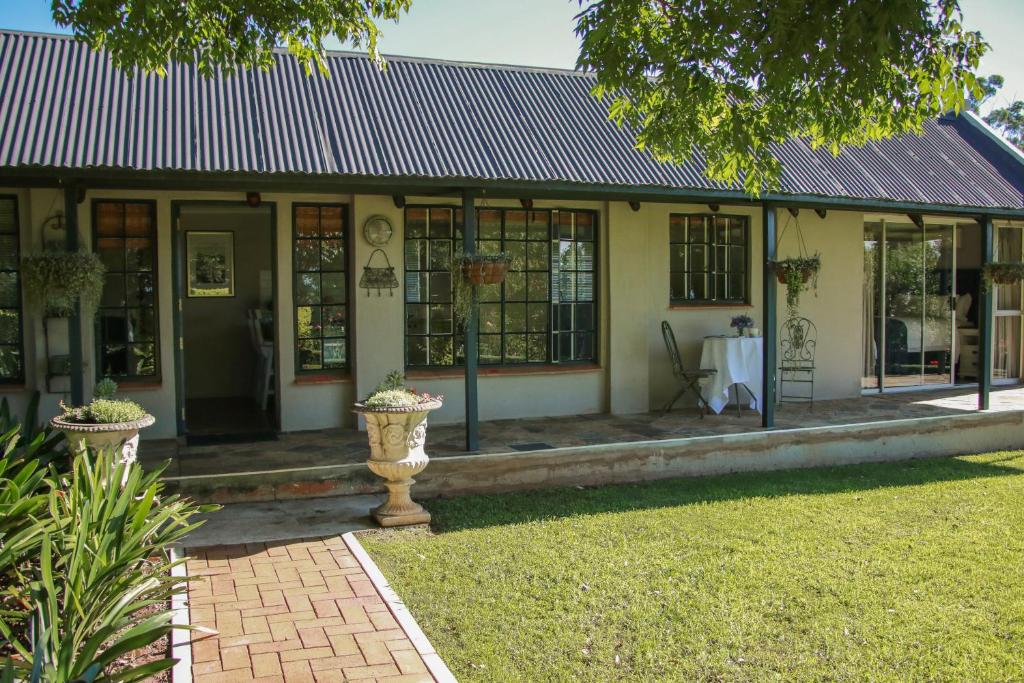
(769,294)
(75,323)
(472,323)
(985,318)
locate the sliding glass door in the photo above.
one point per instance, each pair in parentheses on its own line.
(909,285)
(1006,350)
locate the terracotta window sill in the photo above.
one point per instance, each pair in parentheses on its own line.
(451,373)
(322,379)
(12,388)
(139,386)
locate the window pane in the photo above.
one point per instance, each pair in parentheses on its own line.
(307,221)
(440,223)
(334,319)
(565,225)
(113,291)
(141,325)
(141,360)
(307,288)
(307,322)
(537,318)
(515,318)
(539,227)
(441,287)
(537,347)
(9,252)
(440,254)
(677,229)
(490,348)
(310,354)
(441,319)
(138,220)
(109,219)
(10,326)
(332,255)
(537,286)
(489,227)
(139,290)
(138,254)
(415,223)
(416,350)
(515,287)
(416,319)
(515,225)
(441,351)
(307,255)
(416,254)
(8,216)
(516,251)
(515,348)
(11,367)
(333,288)
(537,255)
(331,222)
(585,226)
(585,287)
(334,353)
(490,318)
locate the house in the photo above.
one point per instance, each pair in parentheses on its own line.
(247,222)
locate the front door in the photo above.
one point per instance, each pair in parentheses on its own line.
(225,302)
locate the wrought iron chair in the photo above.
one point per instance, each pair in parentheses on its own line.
(687,379)
(798,341)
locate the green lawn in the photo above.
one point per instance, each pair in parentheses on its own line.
(905,571)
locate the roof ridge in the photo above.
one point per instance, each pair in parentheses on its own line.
(351,54)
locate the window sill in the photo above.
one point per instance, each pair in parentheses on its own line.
(702,307)
(322,379)
(123,385)
(483,371)
(12,388)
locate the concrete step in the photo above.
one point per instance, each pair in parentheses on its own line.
(969,432)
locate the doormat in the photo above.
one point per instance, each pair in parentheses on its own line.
(221,439)
(535,446)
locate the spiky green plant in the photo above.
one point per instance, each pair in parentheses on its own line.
(102,558)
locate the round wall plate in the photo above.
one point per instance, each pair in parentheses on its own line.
(377,230)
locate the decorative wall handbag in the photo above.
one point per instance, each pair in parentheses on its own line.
(378,276)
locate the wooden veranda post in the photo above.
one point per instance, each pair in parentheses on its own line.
(985,318)
(769,294)
(472,322)
(71,194)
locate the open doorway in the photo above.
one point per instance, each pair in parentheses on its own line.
(227,349)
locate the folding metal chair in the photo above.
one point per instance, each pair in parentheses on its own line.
(688,379)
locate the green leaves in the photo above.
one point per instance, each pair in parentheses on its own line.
(85,564)
(731,80)
(220,36)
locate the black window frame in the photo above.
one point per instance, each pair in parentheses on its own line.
(18,379)
(128,379)
(346,237)
(490,243)
(712,272)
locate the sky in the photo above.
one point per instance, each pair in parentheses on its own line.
(540,33)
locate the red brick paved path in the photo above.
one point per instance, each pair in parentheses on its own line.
(294,611)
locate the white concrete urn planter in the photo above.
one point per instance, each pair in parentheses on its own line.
(396,436)
(122,435)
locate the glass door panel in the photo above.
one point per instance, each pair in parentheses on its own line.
(904,287)
(873,341)
(1006,351)
(937,305)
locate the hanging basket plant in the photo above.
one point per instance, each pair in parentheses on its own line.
(484,269)
(1003,273)
(55,281)
(798,273)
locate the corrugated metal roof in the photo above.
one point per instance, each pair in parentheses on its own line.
(65,107)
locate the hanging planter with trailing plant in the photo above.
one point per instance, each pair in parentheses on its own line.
(1003,273)
(55,281)
(798,273)
(484,269)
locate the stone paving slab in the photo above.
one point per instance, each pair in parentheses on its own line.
(297,611)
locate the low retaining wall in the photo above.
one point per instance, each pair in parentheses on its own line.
(640,460)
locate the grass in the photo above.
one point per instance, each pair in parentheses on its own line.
(890,572)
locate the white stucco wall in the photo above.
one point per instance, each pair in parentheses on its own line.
(633,374)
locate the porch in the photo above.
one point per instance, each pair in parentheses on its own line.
(330,462)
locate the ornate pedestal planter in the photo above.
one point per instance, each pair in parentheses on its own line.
(123,435)
(396,438)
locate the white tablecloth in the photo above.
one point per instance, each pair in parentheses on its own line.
(738,361)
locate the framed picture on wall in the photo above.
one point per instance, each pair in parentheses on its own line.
(211,263)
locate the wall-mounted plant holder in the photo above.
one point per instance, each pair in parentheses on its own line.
(379,276)
(58,355)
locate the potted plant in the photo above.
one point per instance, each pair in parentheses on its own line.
(798,274)
(484,269)
(55,281)
(741,323)
(1003,273)
(396,426)
(105,422)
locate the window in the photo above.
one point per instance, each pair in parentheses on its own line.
(321,286)
(12,368)
(125,240)
(544,311)
(708,259)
